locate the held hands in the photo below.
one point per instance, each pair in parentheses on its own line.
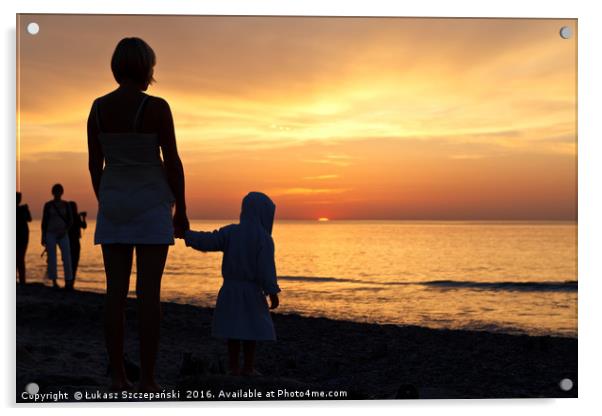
(274,301)
(180,224)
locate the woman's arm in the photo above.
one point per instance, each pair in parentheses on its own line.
(95,155)
(173,165)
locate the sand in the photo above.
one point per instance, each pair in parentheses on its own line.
(60,346)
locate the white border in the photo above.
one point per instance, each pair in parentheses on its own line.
(590,163)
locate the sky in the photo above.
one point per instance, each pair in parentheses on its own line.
(343,118)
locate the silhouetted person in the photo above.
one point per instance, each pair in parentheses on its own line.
(56,221)
(75,233)
(132,148)
(23,217)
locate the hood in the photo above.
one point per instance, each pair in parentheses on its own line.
(258,207)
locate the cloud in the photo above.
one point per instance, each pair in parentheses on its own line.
(564,139)
(341,160)
(321,177)
(308,191)
(466,157)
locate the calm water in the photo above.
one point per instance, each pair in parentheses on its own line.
(496,276)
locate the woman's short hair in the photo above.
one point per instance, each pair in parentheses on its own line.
(133,60)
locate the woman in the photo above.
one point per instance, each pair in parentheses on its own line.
(23,217)
(56,220)
(127,132)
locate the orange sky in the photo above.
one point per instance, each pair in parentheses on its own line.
(368,118)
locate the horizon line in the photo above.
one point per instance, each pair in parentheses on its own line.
(575,220)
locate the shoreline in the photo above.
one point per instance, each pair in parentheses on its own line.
(60,344)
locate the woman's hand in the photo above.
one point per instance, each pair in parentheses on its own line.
(180,224)
(274,301)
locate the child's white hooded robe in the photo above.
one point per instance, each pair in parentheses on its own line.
(248,269)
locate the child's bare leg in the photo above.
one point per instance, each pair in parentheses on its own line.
(249,356)
(234,356)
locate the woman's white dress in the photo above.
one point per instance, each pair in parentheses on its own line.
(135,200)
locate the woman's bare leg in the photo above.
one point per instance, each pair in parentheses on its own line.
(150,262)
(234,356)
(248,348)
(118,266)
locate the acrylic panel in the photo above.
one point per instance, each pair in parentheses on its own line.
(394,203)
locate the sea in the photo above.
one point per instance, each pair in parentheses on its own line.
(503,276)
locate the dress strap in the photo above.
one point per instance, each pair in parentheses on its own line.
(139,113)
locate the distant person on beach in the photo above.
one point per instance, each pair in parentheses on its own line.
(128,132)
(75,234)
(23,218)
(56,220)
(249,271)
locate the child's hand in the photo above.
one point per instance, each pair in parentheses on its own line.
(274,301)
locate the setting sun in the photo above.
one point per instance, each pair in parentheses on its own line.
(323,219)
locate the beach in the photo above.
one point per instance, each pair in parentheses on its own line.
(60,346)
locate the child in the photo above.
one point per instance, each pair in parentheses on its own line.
(249,272)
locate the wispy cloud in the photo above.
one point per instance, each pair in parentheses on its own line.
(467,157)
(321,177)
(308,191)
(334,159)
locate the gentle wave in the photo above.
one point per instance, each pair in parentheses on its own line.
(565,286)
(322,279)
